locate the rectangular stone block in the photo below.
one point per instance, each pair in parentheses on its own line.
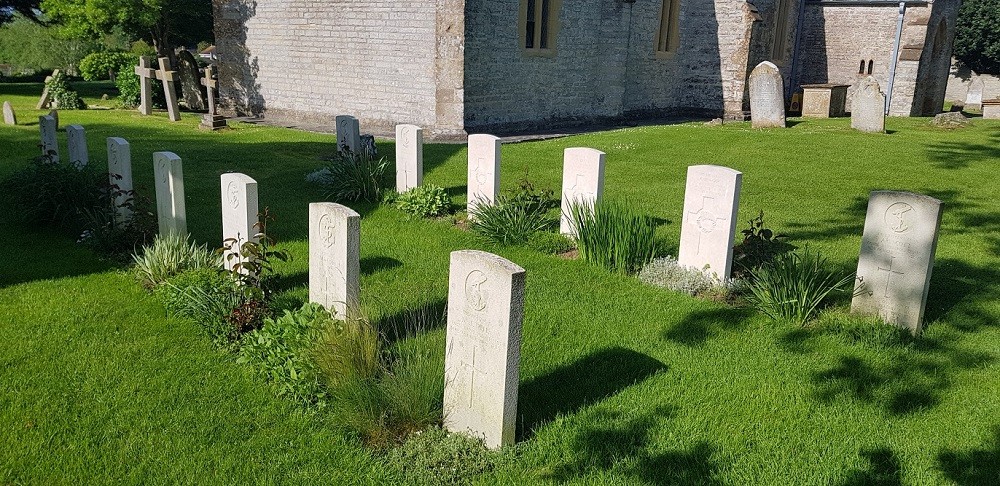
(484,170)
(991,109)
(897,257)
(409,157)
(50,147)
(711,203)
(239,215)
(76,140)
(482,358)
(120,174)
(583,182)
(348,134)
(824,100)
(168,174)
(767,97)
(334,258)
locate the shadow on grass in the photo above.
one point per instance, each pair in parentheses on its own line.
(977,466)
(375,264)
(959,155)
(849,222)
(884,469)
(619,443)
(700,326)
(574,386)
(413,321)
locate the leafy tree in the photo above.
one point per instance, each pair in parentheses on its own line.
(165,23)
(977,36)
(27,45)
(27,8)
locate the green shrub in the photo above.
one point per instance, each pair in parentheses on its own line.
(424,201)
(105,65)
(170,255)
(253,265)
(435,457)
(614,235)
(356,177)
(279,351)
(54,194)
(507,221)
(667,273)
(127,82)
(551,243)
(223,307)
(794,286)
(759,247)
(63,95)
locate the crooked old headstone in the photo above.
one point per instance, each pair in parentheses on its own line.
(50,147)
(120,174)
(409,157)
(484,170)
(168,173)
(868,107)
(187,70)
(711,202)
(483,353)
(334,258)
(76,140)
(974,98)
(46,97)
(767,96)
(348,134)
(169,79)
(583,183)
(897,257)
(9,117)
(146,75)
(239,215)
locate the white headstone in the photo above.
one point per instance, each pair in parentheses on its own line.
(484,170)
(483,353)
(868,107)
(767,96)
(348,134)
(409,157)
(120,174)
(169,179)
(974,98)
(50,147)
(711,201)
(239,215)
(9,117)
(897,256)
(334,257)
(583,182)
(76,139)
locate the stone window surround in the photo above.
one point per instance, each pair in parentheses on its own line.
(668,27)
(555,9)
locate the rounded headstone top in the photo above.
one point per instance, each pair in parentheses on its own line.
(583,151)
(334,207)
(765,66)
(908,196)
(483,137)
(497,263)
(715,169)
(238,177)
(165,155)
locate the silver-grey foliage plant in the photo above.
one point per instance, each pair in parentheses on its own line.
(665,272)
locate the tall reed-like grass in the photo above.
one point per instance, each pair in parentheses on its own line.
(170,255)
(614,235)
(794,286)
(508,221)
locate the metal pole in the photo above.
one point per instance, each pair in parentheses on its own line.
(895,56)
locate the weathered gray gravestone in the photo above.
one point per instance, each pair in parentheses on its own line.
(187,70)
(239,215)
(484,170)
(120,174)
(334,258)
(974,98)
(46,98)
(9,117)
(55,116)
(483,351)
(76,140)
(146,75)
(169,179)
(711,201)
(50,147)
(767,96)
(583,183)
(348,134)
(169,78)
(897,257)
(868,107)
(409,157)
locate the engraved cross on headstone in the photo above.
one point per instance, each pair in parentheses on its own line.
(169,90)
(889,272)
(146,74)
(473,370)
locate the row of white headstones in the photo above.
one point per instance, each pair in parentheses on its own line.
(486,292)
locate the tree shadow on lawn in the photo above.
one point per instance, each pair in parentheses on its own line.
(697,327)
(977,466)
(960,155)
(413,321)
(571,387)
(619,443)
(849,222)
(884,469)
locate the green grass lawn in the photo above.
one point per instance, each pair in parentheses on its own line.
(620,382)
